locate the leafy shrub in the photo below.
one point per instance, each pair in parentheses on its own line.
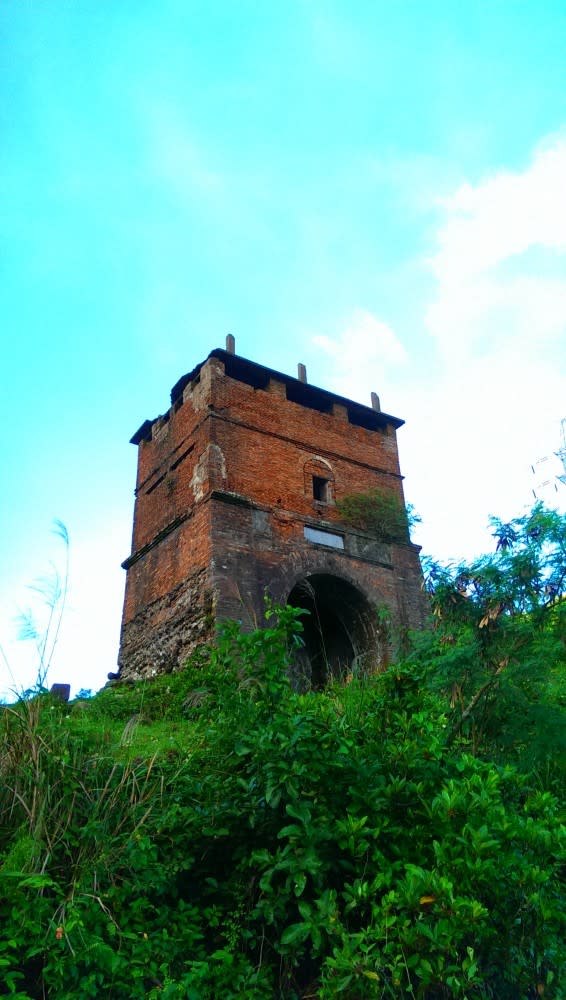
(382,515)
(331,845)
(497,648)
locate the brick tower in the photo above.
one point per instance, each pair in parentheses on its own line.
(236,497)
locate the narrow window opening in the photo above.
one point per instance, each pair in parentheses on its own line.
(321,489)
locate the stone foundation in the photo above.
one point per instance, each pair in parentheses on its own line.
(163,635)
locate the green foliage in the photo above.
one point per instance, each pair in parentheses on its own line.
(382,515)
(497,647)
(342,844)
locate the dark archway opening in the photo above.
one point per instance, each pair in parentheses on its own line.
(341,633)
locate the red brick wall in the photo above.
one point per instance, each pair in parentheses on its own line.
(256,443)
(268,440)
(185,550)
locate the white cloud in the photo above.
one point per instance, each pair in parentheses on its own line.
(491,286)
(498,321)
(471,436)
(485,400)
(505,215)
(360,354)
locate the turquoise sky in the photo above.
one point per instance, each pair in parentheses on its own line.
(376,189)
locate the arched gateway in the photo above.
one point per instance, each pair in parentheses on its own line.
(240,492)
(341,633)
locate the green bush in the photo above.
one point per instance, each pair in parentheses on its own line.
(382,515)
(332,845)
(497,648)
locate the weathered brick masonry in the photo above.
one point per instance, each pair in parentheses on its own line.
(236,497)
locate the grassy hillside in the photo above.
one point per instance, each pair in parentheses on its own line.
(212,834)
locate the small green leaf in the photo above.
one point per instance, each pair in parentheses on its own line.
(300,882)
(294,933)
